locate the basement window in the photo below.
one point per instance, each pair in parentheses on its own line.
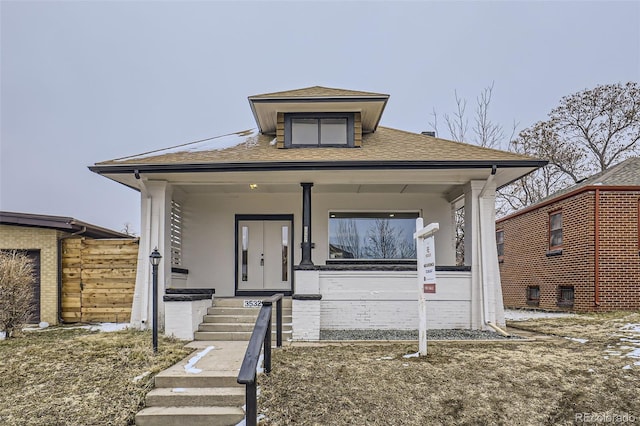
(318,130)
(533,295)
(565,296)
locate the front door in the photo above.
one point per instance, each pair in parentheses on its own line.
(264,256)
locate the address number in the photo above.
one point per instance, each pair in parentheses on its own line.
(252,303)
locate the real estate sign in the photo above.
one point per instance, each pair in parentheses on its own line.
(426,259)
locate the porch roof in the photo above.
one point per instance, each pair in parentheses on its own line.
(385,153)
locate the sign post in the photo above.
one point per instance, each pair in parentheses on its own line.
(426,259)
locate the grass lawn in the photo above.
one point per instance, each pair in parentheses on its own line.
(550,381)
(79,377)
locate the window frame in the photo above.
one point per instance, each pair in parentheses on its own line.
(370,213)
(531,300)
(566,302)
(349,116)
(500,244)
(551,230)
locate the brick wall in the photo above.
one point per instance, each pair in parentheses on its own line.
(619,259)
(45,240)
(527,263)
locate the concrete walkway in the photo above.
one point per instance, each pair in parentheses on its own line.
(201,389)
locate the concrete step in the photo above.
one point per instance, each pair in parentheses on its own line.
(238,302)
(205,379)
(194,397)
(225,310)
(235,319)
(192,416)
(235,336)
(220,326)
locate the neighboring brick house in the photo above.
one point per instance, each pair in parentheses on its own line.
(579,249)
(40,237)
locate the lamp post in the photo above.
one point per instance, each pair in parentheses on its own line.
(155,261)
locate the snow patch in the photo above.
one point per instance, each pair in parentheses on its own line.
(416,355)
(140,377)
(634,354)
(576,339)
(384,358)
(178,390)
(3,335)
(191,365)
(626,367)
(260,366)
(635,328)
(523,315)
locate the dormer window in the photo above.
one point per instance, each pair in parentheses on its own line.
(319,130)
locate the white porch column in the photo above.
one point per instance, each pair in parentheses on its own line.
(155,232)
(481,254)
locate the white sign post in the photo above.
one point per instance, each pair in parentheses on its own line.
(426,257)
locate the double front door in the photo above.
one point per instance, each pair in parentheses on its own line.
(264,256)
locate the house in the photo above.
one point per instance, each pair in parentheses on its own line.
(319,202)
(41,237)
(578,249)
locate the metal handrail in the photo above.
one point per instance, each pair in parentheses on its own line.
(260,337)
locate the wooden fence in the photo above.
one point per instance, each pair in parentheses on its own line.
(98,279)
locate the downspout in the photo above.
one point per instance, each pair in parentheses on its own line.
(485,297)
(596,254)
(82,231)
(143,189)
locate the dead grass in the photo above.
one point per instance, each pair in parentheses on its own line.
(510,383)
(78,377)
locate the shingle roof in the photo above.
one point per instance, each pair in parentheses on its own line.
(61,223)
(317,91)
(625,173)
(386,144)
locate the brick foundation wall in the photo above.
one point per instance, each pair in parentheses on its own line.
(526,246)
(45,240)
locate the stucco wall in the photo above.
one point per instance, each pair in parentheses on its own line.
(45,240)
(209,221)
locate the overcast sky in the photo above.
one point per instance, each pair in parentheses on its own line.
(86,81)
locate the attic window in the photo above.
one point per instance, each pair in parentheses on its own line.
(319,130)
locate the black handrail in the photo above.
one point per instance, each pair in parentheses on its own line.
(260,337)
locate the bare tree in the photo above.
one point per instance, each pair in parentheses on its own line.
(127,228)
(348,238)
(16,291)
(385,241)
(587,133)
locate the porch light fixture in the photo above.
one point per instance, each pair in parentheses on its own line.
(253,186)
(155,258)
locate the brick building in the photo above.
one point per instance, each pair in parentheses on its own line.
(578,249)
(40,237)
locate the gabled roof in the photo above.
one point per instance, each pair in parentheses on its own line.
(623,176)
(318,92)
(385,145)
(60,223)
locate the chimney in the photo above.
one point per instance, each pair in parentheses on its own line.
(430,133)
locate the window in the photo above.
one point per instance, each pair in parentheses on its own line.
(500,243)
(313,130)
(565,296)
(372,235)
(176,234)
(533,295)
(555,230)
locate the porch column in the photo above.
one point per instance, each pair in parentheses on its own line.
(481,254)
(155,232)
(306,224)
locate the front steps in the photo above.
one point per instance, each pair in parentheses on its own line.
(211,396)
(228,320)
